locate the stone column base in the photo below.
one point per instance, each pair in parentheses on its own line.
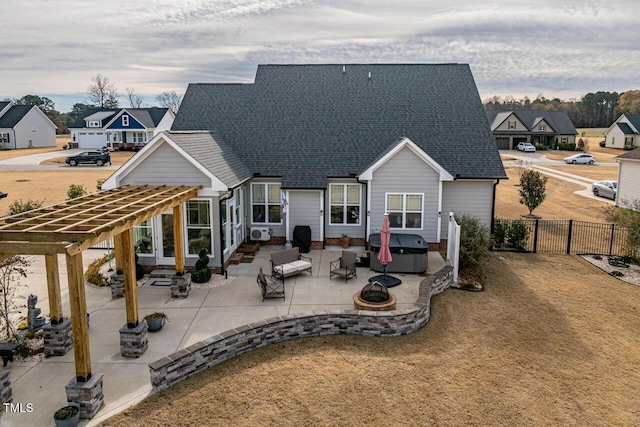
(88,395)
(181,285)
(58,339)
(117,285)
(6,394)
(133,341)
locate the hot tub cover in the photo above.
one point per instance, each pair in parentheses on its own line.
(401,243)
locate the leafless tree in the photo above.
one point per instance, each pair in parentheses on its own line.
(12,270)
(170,100)
(135,101)
(102,92)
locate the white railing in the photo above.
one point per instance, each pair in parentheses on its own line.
(453,246)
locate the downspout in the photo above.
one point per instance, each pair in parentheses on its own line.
(222,199)
(493,206)
(366,211)
(324,219)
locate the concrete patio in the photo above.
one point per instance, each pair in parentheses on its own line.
(209,309)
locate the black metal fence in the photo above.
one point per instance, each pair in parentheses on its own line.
(558,237)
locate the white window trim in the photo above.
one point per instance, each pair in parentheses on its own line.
(185,228)
(344,204)
(266,203)
(404,210)
(153,240)
(133,137)
(4,135)
(125,120)
(94,124)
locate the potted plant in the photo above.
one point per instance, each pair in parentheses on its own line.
(155,321)
(345,241)
(67,416)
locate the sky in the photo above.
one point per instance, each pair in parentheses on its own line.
(517,48)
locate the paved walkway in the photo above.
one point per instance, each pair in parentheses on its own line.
(209,310)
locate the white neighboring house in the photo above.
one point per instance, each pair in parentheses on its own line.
(625,131)
(119,127)
(25,126)
(628,179)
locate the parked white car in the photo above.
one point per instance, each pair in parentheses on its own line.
(580,159)
(605,189)
(526,147)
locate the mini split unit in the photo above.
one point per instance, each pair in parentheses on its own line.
(260,233)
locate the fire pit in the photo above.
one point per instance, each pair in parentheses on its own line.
(374,297)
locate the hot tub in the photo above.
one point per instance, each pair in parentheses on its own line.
(409,253)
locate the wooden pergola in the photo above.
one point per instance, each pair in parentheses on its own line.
(75,225)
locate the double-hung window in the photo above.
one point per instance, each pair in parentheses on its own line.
(4,138)
(405,210)
(265,203)
(199,226)
(345,204)
(138,137)
(125,120)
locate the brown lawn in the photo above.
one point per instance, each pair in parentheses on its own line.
(50,186)
(594,172)
(551,341)
(561,203)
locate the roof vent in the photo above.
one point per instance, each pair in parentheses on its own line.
(344,68)
(369,75)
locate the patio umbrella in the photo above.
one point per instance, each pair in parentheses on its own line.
(384,256)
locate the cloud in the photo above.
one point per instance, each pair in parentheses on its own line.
(550,47)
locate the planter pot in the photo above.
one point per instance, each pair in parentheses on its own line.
(155,324)
(346,242)
(72,420)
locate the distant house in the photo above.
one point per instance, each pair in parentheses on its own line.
(328,147)
(625,131)
(119,127)
(25,126)
(539,127)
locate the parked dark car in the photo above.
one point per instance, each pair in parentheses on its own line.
(89,157)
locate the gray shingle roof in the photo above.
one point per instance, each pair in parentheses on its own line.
(148,117)
(634,119)
(14,115)
(4,104)
(630,155)
(558,120)
(625,128)
(305,123)
(212,153)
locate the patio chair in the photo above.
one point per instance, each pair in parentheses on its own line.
(344,266)
(270,286)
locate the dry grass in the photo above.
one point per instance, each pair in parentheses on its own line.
(47,185)
(552,341)
(561,203)
(596,173)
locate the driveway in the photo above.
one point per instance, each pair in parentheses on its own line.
(538,161)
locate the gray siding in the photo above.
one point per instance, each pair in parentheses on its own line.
(353,231)
(406,173)
(472,197)
(166,166)
(304,209)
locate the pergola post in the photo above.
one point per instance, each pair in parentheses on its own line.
(53,287)
(85,389)
(116,281)
(58,338)
(181,281)
(178,239)
(133,335)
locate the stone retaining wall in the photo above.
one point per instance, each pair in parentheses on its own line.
(218,348)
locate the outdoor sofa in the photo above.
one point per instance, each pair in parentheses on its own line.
(288,263)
